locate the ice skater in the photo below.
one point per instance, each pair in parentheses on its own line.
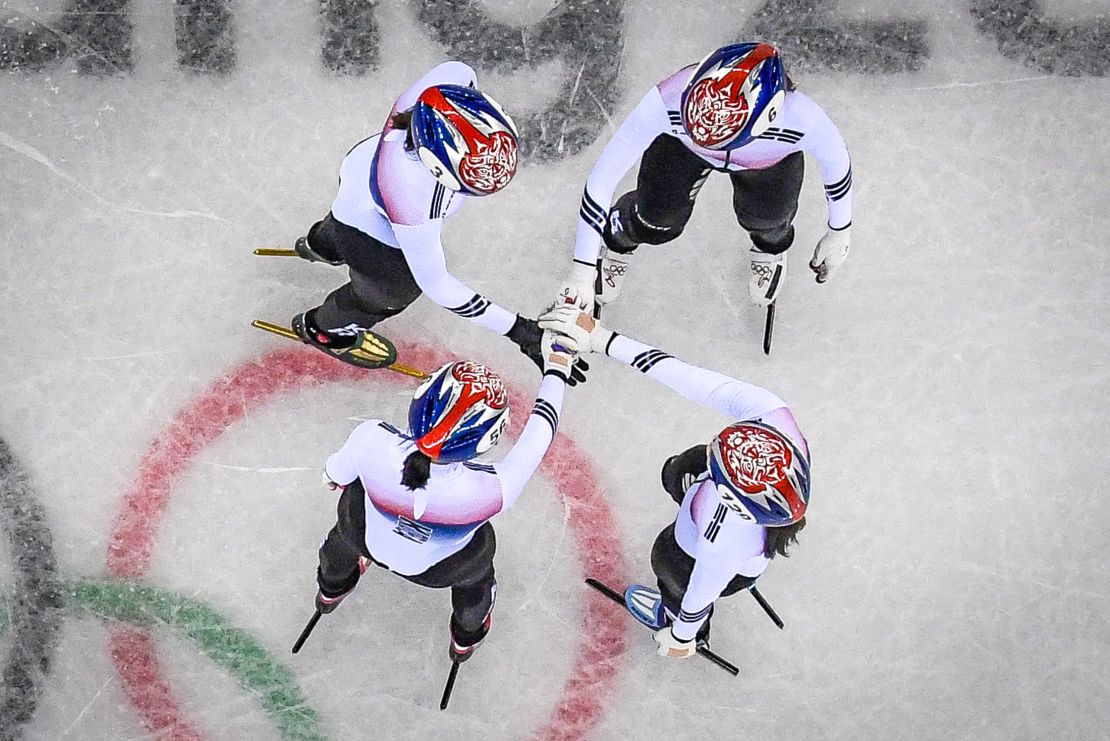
(736,112)
(417,505)
(742,497)
(443,143)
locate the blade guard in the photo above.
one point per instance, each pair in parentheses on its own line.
(646,605)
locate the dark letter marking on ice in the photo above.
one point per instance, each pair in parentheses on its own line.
(1025,34)
(205,35)
(813,39)
(96,34)
(351,36)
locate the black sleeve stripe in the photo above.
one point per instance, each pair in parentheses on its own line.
(391,428)
(647,360)
(839,189)
(583,262)
(840,228)
(476,306)
(714,526)
(693,617)
(437,202)
(609,344)
(483,467)
(592,213)
(599,228)
(592,206)
(545,411)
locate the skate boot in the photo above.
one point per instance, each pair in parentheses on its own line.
(766,278)
(305,252)
(463,644)
(614,269)
(326,603)
(362,349)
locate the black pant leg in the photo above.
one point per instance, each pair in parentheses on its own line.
(470,575)
(766,201)
(672,567)
(667,184)
(339,571)
(380,286)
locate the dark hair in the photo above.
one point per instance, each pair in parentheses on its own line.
(401,120)
(779,539)
(417,470)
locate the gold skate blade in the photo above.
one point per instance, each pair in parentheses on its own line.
(275,252)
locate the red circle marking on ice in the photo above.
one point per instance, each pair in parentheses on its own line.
(250,387)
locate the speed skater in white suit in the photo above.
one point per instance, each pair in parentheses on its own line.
(736,112)
(416,504)
(743,496)
(443,143)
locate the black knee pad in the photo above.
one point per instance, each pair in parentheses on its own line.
(773,241)
(681,469)
(627,228)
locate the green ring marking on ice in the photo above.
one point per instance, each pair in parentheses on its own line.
(233,649)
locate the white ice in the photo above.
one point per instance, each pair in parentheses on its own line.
(952,380)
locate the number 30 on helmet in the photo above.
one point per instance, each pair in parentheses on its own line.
(760,474)
(458,413)
(465,139)
(734,95)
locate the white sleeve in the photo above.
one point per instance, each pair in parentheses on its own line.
(342,465)
(715,565)
(424,254)
(824,142)
(737,399)
(521,463)
(647,121)
(448,73)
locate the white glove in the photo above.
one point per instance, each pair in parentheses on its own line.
(831,252)
(671,647)
(579,286)
(558,355)
(579,332)
(331,484)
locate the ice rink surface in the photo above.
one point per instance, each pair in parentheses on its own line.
(952,379)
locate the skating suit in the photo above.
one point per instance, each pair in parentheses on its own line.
(721,543)
(800,126)
(386,192)
(410,531)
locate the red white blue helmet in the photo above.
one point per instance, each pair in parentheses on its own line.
(734,95)
(459,412)
(465,139)
(760,474)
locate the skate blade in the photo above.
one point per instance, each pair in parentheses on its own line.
(274,252)
(375,352)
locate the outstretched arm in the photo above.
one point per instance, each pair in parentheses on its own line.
(424,255)
(515,470)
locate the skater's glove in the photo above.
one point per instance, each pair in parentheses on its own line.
(558,360)
(579,286)
(331,484)
(831,252)
(528,336)
(671,647)
(583,333)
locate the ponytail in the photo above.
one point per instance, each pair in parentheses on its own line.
(778,539)
(417,470)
